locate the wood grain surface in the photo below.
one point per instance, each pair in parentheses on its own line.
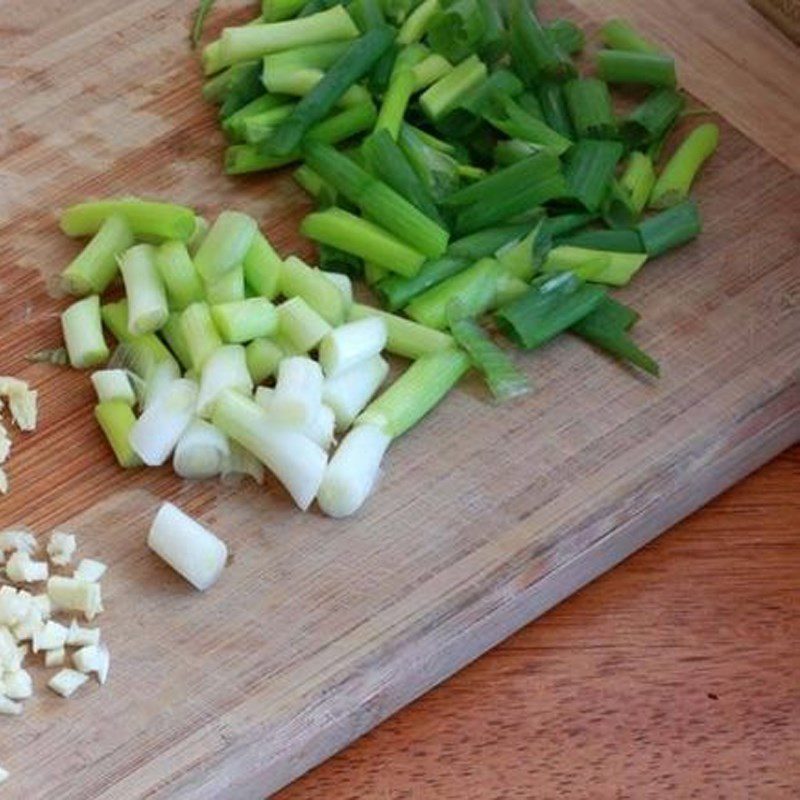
(319,629)
(674,675)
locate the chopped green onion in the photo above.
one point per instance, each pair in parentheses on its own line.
(147,300)
(523,258)
(301,325)
(418,390)
(670,228)
(566,35)
(300,280)
(244,320)
(590,169)
(172,332)
(445,95)
(347,393)
(404,337)
(475,287)
(262,267)
(179,275)
(374,274)
(343,284)
(83,333)
(351,344)
(93,269)
(297,462)
(298,83)
(229,288)
(113,384)
(366,14)
(417,23)
(437,169)
(314,56)
(201,452)
(505,380)
(279,10)
(620,66)
(199,333)
(320,429)
(152,364)
(590,107)
(116,419)
(456,29)
(362,238)
(357,60)
(517,123)
(158,429)
(262,357)
(620,35)
(676,179)
(200,231)
(430,70)
(554,108)
(598,266)
(622,241)
(298,391)
(638,180)
(650,121)
(395,101)
(384,206)
(353,471)
(145,218)
(565,223)
(507,288)
(254,41)
(322,192)
(533,52)
(617,209)
(388,163)
(397,292)
(213,63)
(225,368)
(605,327)
(225,245)
(259,127)
(550,306)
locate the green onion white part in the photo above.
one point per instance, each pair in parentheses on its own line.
(351,344)
(301,324)
(319,428)
(353,470)
(200,333)
(83,333)
(227,288)
(343,284)
(348,393)
(225,245)
(163,422)
(298,391)
(245,320)
(225,368)
(113,384)
(262,357)
(201,452)
(148,309)
(192,550)
(296,461)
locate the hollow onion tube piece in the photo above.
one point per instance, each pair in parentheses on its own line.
(147,300)
(201,227)
(418,390)
(351,344)
(200,333)
(162,423)
(298,390)
(225,368)
(229,288)
(113,384)
(225,245)
(179,275)
(201,452)
(352,472)
(192,550)
(172,333)
(262,357)
(83,333)
(343,284)
(318,428)
(245,320)
(445,95)
(676,179)
(262,267)
(638,180)
(301,325)
(295,460)
(619,35)
(300,280)
(116,419)
(670,228)
(404,336)
(93,269)
(621,66)
(247,42)
(145,218)
(348,393)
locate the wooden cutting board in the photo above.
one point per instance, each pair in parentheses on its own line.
(485,517)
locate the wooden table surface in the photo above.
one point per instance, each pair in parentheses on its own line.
(677,674)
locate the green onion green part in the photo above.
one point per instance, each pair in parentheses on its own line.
(620,66)
(671,228)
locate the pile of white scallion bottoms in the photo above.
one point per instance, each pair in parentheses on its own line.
(210,316)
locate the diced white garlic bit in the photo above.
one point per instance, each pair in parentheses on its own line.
(18,540)
(18,685)
(14,607)
(79,637)
(21,402)
(9,707)
(51,637)
(21,568)
(10,658)
(67,681)
(90,570)
(28,628)
(61,548)
(94,658)
(3,775)
(71,594)
(55,658)
(43,604)
(189,548)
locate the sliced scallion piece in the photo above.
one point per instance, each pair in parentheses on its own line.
(590,169)
(671,228)
(200,333)
(145,218)
(83,333)
(598,266)
(638,180)
(242,321)
(262,357)
(651,120)
(533,52)
(116,419)
(298,390)
(348,393)
(620,35)
(417,23)
(225,245)
(350,344)
(445,95)
(227,288)
(201,452)
(172,333)
(113,384)
(301,324)
(147,299)
(621,241)
(225,368)
(178,275)
(589,104)
(300,280)
(621,66)
(262,267)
